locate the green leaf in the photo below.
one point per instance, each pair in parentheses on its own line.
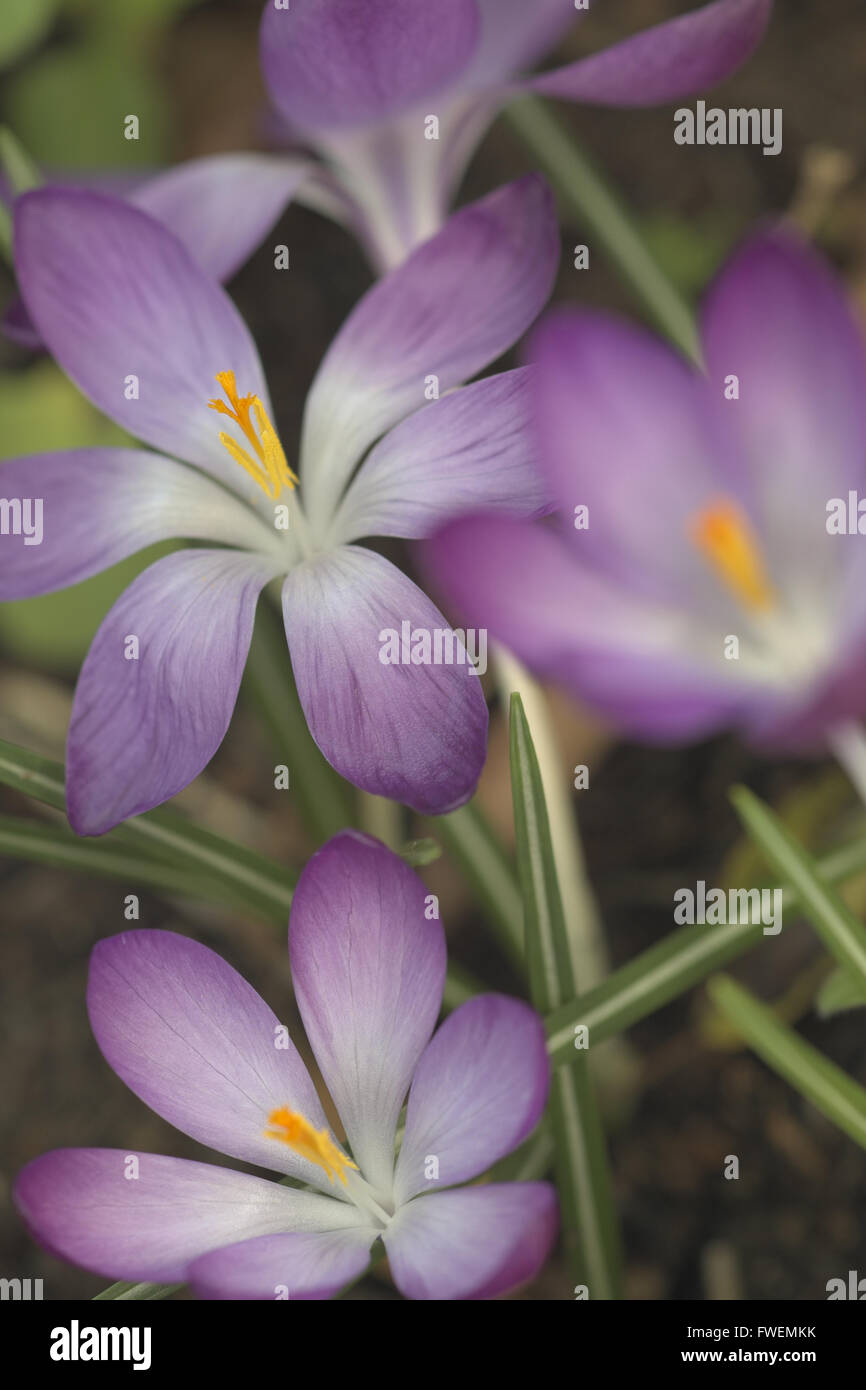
(418,853)
(16,164)
(23,23)
(811,1074)
(472,845)
(248,879)
(580,1162)
(151,1293)
(601,216)
(681,960)
(840,991)
(70,105)
(164,849)
(325,802)
(840,931)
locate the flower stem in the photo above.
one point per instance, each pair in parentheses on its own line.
(603,216)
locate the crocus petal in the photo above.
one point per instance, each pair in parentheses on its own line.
(146,721)
(197,1044)
(299,1267)
(629,430)
(671,60)
(145,1217)
(477,1092)
(649,667)
(473,450)
(414,732)
(457,304)
(115,295)
(100,505)
(514,34)
(777,319)
(472,1243)
(336,63)
(368,968)
(222,206)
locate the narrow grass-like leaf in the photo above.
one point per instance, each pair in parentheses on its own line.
(839,929)
(580,1160)
(674,965)
(602,215)
(476,851)
(324,801)
(162,836)
(123,1291)
(840,991)
(810,1073)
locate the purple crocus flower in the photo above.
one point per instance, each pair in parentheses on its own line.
(696,577)
(355,83)
(394,96)
(151,339)
(196,1043)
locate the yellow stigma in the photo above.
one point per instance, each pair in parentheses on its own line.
(315,1144)
(269,468)
(725,538)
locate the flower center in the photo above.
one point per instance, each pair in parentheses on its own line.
(724,536)
(269,467)
(291,1128)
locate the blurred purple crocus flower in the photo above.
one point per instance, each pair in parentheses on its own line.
(355,83)
(393,96)
(149,338)
(196,1043)
(698,575)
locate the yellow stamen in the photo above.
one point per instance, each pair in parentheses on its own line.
(724,536)
(293,1129)
(272,473)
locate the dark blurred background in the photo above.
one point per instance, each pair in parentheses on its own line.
(653,820)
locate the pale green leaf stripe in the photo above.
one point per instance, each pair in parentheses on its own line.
(839,929)
(164,836)
(839,992)
(478,854)
(53,844)
(589,1224)
(681,960)
(152,1293)
(814,1076)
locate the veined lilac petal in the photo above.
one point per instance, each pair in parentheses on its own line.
(197,1044)
(457,303)
(472,450)
(670,60)
(144,726)
(335,63)
(626,428)
(368,968)
(414,732)
(472,1243)
(98,506)
(115,295)
(478,1091)
(653,669)
(83,1206)
(300,1266)
(778,320)
(514,33)
(222,206)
